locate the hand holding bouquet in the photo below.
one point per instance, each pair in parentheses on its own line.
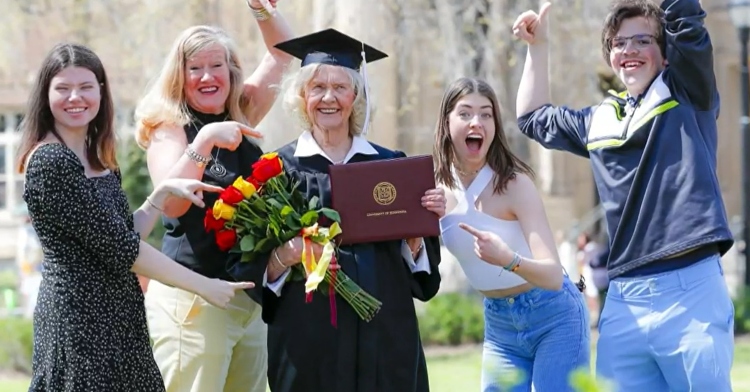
(261,212)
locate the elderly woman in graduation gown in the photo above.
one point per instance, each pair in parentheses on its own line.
(306,352)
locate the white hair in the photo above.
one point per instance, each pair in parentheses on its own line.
(294,98)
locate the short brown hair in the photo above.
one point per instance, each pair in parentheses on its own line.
(627,9)
(500,158)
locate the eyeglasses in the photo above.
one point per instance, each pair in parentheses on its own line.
(639,41)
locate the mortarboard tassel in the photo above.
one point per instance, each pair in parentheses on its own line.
(363,71)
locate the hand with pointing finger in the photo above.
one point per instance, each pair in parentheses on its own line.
(218,292)
(532,27)
(184,188)
(226,134)
(489,246)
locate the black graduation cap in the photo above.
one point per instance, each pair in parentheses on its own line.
(332,47)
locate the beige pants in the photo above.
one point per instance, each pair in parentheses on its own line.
(202,348)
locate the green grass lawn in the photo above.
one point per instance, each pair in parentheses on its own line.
(461,371)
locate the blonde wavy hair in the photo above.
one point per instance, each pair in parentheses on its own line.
(164,102)
(294,98)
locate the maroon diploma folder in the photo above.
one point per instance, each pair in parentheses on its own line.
(382,200)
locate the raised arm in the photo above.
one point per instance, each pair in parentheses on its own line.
(553,127)
(259,90)
(690,68)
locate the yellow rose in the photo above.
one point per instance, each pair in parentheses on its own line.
(223,211)
(247,189)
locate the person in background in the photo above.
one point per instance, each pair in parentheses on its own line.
(587,251)
(600,277)
(29,258)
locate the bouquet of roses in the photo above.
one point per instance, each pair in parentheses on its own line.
(258,213)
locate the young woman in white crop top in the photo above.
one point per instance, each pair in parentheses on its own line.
(536,323)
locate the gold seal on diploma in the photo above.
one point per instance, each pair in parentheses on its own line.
(384,193)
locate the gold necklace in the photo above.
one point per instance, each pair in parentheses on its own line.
(466,174)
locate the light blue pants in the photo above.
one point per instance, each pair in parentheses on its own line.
(536,339)
(668,332)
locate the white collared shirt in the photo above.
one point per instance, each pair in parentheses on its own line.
(308,147)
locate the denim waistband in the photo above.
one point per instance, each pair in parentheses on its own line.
(677,279)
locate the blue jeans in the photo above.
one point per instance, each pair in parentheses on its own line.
(668,332)
(535,340)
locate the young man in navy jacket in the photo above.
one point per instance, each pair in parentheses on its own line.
(667,323)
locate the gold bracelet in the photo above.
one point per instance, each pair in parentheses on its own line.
(278,260)
(148,199)
(260,14)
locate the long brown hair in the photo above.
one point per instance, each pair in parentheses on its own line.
(38,119)
(500,158)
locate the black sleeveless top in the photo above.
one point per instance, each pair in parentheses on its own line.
(186,240)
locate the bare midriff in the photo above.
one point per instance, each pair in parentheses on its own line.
(509,292)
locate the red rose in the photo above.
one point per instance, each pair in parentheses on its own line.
(253,181)
(231,195)
(265,169)
(226,239)
(211,223)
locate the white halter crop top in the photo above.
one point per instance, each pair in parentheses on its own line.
(483,276)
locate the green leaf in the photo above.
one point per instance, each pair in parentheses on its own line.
(309,218)
(274,226)
(265,245)
(249,256)
(247,243)
(271,201)
(257,205)
(313,203)
(331,214)
(292,223)
(283,181)
(259,222)
(286,210)
(288,235)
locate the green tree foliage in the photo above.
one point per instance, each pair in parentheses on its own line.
(137,183)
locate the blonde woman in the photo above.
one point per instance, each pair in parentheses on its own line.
(194,123)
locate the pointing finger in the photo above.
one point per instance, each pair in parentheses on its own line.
(242,285)
(210,188)
(247,131)
(476,233)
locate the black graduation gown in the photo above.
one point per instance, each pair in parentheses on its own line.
(305,352)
